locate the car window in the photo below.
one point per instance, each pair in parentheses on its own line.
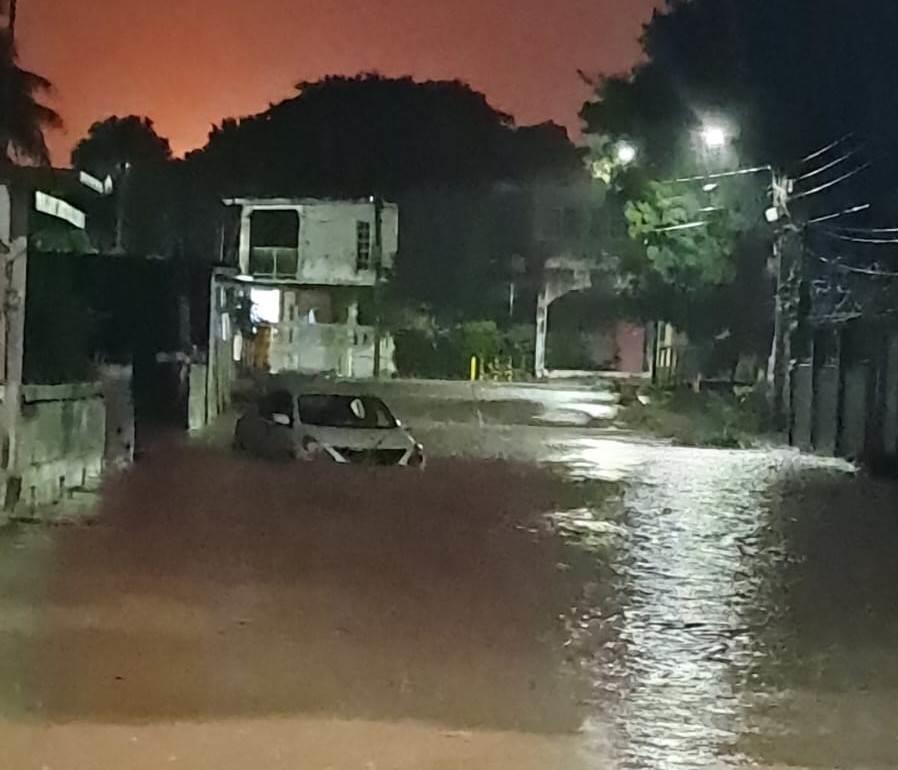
(345,412)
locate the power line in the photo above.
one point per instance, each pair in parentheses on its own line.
(720,175)
(828,166)
(686,226)
(833,183)
(866,271)
(837,214)
(868,241)
(824,150)
(867,229)
(857,270)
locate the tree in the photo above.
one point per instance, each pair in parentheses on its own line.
(687,245)
(23,119)
(355,136)
(788,77)
(129,151)
(112,143)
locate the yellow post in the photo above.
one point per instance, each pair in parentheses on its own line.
(473,368)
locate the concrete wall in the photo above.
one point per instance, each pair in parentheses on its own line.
(120,426)
(328,239)
(61,441)
(854,412)
(5,214)
(347,351)
(826,409)
(890,426)
(803,400)
(197,413)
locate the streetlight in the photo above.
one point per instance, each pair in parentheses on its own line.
(625,152)
(714,136)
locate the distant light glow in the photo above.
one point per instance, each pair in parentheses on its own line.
(625,153)
(714,136)
(266,305)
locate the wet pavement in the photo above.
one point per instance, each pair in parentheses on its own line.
(541,597)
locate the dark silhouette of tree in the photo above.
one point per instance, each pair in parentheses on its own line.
(115,141)
(788,77)
(355,136)
(139,161)
(23,119)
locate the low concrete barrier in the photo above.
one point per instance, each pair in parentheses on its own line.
(59,448)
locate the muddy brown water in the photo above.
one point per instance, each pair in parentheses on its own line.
(620,604)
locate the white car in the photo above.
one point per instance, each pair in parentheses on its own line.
(341,428)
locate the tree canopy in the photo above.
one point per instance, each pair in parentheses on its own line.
(786,76)
(141,214)
(115,141)
(355,136)
(23,118)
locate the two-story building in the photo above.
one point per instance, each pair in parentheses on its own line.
(311,266)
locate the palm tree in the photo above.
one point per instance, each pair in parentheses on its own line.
(22,117)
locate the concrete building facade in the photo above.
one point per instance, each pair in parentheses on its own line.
(313,269)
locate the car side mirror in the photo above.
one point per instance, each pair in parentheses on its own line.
(281,419)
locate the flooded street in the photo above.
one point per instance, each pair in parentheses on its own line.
(743,609)
(539,598)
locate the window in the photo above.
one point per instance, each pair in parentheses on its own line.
(276,229)
(274,243)
(363,246)
(345,412)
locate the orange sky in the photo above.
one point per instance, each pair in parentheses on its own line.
(189,63)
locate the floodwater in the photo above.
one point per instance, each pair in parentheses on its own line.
(539,598)
(743,609)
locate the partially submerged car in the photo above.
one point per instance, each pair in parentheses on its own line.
(327,426)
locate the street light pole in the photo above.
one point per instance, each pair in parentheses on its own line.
(778,385)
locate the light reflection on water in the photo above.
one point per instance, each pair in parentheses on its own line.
(671,640)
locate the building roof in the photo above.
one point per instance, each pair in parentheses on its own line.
(261,202)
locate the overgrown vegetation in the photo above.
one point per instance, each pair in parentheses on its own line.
(446,353)
(707,418)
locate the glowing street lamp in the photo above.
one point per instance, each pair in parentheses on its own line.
(714,136)
(626,153)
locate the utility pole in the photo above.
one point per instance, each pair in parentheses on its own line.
(778,364)
(120,207)
(378,268)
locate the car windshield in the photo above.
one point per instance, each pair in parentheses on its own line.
(345,412)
